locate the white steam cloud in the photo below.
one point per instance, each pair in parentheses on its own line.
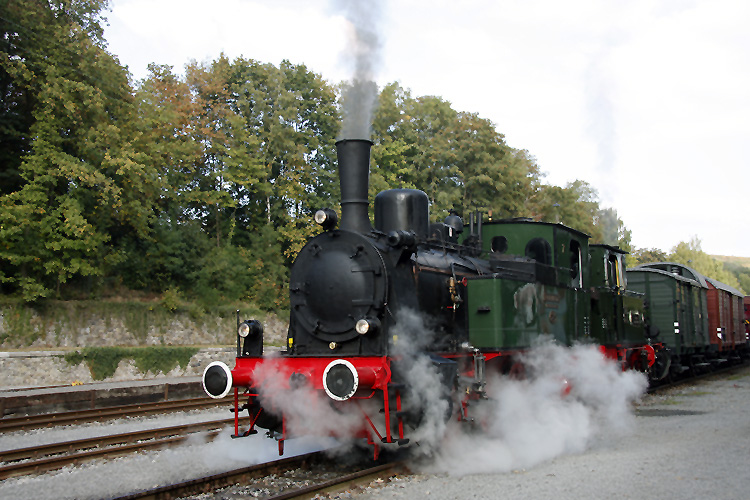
(364,53)
(569,397)
(308,412)
(425,390)
(526,422)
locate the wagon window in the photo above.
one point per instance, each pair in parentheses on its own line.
(540,250)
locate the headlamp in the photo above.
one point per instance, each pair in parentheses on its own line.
(326,218)
(366,325)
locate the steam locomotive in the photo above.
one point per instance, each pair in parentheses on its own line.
(483,295)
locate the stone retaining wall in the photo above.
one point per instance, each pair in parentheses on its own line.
(86,325)
(35,342)
(46,368)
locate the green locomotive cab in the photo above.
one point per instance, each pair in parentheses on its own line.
(617,314)
(560,252)
(538,286)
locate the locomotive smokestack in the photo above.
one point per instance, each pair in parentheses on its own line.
(354,175)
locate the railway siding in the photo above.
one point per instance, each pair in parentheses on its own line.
(688,441)
(34,401)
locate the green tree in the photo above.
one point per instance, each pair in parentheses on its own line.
(741,272)
(80,183)
(166,255)
(291,114)
(392,156)
(167,115)
(576,205)
(458,158)
(413,146)
(690,254)
(613,229)
(609,223)
(524,184)
(645,256)
(168,258)
(244,151)
(228,167)
(481,156)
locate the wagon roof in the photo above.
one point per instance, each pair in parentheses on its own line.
(644,269)
(725,287)
(665,266)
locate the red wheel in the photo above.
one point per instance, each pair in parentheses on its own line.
(517,371)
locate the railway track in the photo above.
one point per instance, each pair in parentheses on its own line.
(10,424)
(346,482)
(312,483)
(44,458)
(726,370)
(40,459)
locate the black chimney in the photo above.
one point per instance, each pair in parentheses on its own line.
(354,176)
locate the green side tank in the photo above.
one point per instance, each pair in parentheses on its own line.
(539,286)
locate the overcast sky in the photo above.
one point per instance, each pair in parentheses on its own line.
(646,100)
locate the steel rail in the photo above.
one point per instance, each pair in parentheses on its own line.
(111,412)
(339,484)
(216,481)
(36,452)
(696,378)
(105,446)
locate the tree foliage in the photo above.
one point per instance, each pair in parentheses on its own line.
(203,184)
(613,229)
(458,158)
(742,273)
(246,150)
(646,255)
(690,254)
(75,179)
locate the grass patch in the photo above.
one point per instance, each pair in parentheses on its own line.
(18,324)
(103,361)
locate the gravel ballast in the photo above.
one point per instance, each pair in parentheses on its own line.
(693,442)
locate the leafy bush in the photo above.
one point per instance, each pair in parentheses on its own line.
(171,299)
